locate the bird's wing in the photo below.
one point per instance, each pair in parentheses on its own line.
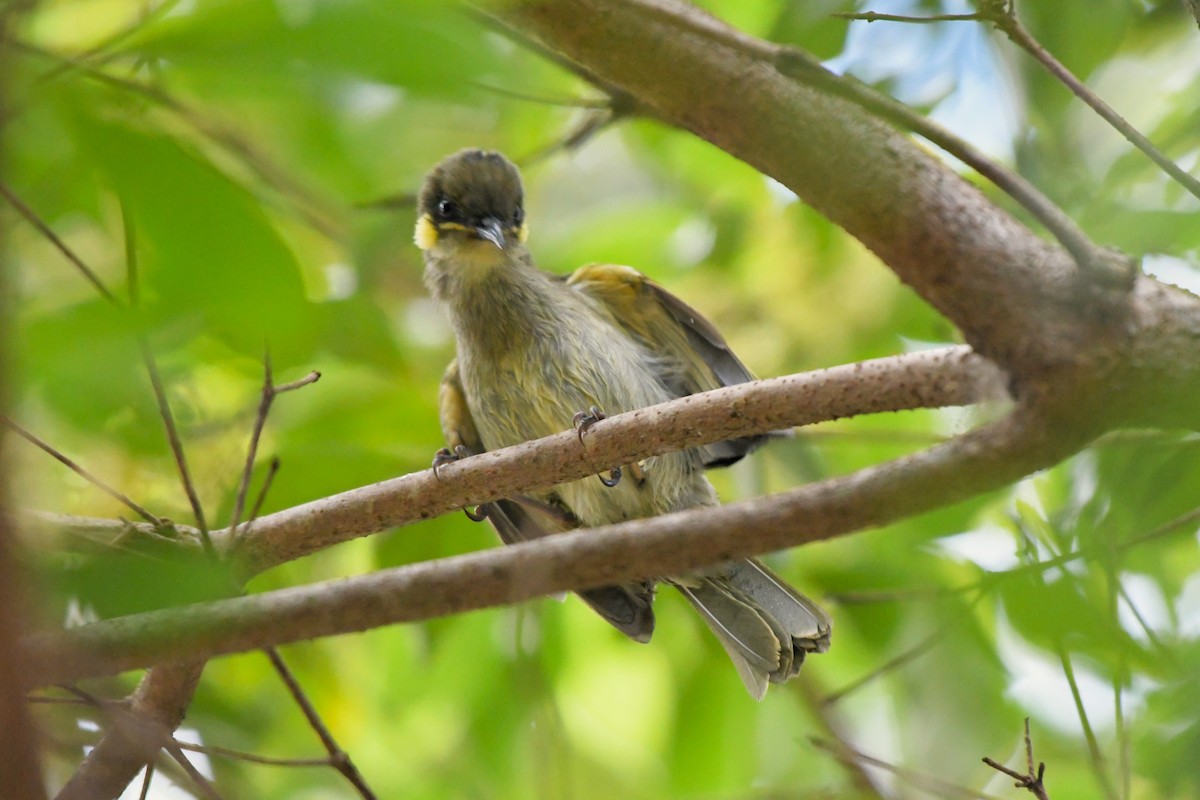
(627,607)
(696,356)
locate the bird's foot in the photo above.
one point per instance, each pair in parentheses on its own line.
(581,422)
(614,477)
(445,456)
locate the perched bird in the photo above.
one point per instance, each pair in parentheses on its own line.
(538,351)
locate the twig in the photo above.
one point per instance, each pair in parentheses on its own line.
(338,758)
(176,444)
(252,758)
(875,16)
(1003,15)
(198,780)
(268,479)
(160,394)
(147,777)
(36,221)
(1108,267)
(568,102)
(269,392)
(1031,780)
(80,471)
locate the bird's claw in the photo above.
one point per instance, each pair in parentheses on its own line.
(445,456)
(586,419)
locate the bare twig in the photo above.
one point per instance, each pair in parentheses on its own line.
(269,392)
(198,780)
(1002,14)
(1031,780)
(339,759)
(268,479)
(1004,17)
(79,470)
(875,16)
(252,758)
(798,65)
(147,778)
(36,221)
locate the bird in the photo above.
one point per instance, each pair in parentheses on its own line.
(537,351)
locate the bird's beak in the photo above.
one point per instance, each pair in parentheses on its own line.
(489,228)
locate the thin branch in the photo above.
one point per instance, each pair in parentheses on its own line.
(1032,779)
(160,394)
(173,439)
(147,777)
(339,759)
(1108,267)
(268,479)
(1004,17)
(198,780)
(875,16)
(36,221)
(981,460)
(931,378)
(80,470)
(260,421)
(252,758)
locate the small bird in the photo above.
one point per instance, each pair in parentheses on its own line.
(538,351)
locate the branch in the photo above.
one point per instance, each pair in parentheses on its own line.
(933,378)
(983,460)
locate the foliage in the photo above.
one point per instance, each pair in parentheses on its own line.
(237,142)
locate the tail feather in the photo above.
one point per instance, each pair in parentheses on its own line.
(747,638)
(765,625)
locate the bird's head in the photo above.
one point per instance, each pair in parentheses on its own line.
(472,205)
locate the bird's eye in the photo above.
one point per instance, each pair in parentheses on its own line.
(446,208)
(519,216)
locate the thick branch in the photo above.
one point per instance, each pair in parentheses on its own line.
(942,377)
(982,460)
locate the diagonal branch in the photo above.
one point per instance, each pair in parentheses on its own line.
(933,378)
(985,459)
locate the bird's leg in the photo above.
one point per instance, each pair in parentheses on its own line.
(445,456)
(581,422)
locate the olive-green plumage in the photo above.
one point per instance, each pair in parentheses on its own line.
(535,348)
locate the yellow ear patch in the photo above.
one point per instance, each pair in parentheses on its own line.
(523,234)
(426,234)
